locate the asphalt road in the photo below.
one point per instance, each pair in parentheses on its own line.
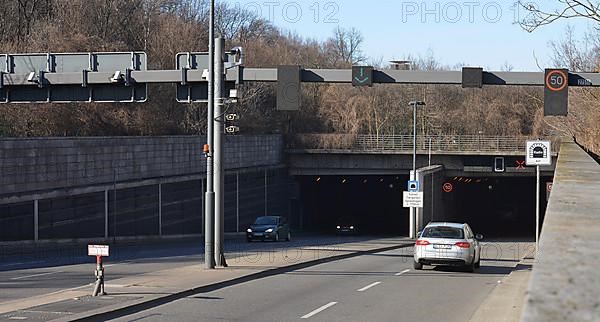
(50,272)
(376,287)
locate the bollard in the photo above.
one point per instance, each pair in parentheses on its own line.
(99,286)
(99,251)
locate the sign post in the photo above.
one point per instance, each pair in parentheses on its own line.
(538,153)
(99,251)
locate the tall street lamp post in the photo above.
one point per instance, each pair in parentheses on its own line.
(413,211)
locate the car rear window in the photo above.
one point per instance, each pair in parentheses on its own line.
(443,232)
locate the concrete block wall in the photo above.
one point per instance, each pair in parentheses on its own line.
(431,179)
(38,164)
(168,209)
(62,188)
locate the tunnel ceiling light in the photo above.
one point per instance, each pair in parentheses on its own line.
(318,179)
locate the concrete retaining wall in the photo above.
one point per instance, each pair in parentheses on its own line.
(65,188)
(565,282)
(36,164)
(431,180)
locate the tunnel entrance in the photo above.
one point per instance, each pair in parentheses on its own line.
(500,207)
(374,203)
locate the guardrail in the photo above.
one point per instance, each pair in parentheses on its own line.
(404,143)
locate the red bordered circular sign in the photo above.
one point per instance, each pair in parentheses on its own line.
(447,187)
(557,80)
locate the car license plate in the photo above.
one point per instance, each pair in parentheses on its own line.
(437,246)
(258,234)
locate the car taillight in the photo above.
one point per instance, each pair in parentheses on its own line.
(463,245)
(421,242)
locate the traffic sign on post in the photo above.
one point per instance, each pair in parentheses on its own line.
(413,199)
(556,92)
(98,250)
(413,186)
(362,76)
(539,153)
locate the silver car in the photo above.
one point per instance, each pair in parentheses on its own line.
(448,244)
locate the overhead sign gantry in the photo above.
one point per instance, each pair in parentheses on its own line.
(123,77)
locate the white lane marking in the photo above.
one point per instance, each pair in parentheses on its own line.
(17,318)
(368,287)
(34,275)
(319,310)
(403,272)
(22,263)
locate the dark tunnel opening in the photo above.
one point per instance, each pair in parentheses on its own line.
(374,203)
(498,207)
(501,207)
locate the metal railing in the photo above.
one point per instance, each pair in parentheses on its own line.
(404,143)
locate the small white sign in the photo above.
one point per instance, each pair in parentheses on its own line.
(98,250)
(413,199)
(538,153)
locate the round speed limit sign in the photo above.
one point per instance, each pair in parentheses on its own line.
(557,80)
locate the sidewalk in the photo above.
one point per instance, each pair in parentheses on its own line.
(138,292)
(505,303)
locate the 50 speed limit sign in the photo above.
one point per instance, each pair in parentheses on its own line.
(556,92)
(557,80)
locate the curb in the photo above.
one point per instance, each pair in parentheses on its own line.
(117,311)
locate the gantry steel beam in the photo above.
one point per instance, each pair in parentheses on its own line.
(343,76)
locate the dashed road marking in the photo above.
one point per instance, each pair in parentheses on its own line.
(34,275)
(368,287)
(403,272)
(319,310)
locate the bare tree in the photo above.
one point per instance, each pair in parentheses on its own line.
(578,55)
(567,9)
(345,47)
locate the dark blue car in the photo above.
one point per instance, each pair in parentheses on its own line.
(273,228)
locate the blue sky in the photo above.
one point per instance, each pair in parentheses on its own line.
(474,33)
